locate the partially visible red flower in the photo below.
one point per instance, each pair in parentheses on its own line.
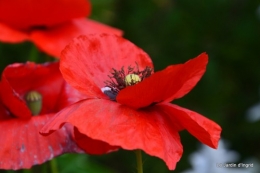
(129,104)
(21,144)
(50,24)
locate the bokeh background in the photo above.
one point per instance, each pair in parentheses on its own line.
(173,31)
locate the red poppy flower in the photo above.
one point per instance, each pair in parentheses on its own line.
(128,104)
(50,24)
(28,89)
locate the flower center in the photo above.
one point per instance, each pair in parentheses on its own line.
(120,79)
(34,102)
(132,79)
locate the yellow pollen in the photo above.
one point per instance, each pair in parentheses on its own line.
(132,79)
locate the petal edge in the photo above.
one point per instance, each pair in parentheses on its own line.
(204,129)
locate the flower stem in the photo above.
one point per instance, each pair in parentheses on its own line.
(27,171)
(53,165)
(33,55)
(138,154)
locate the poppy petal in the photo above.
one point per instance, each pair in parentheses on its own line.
(121,126)
(21,147)
(4,113)
(19,78)
(68,96)
(54,40)
(92,146)
(204,129)
(86,63)
(11,35)
(42,13)
(189,75)
(13,101)
(164,86)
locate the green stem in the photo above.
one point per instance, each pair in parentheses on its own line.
(27,171)
(44,168)
(33,55)
(53,165)
(138,154)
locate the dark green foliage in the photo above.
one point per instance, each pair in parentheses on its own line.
(173,31)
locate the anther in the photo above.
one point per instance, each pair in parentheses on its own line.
(120,79)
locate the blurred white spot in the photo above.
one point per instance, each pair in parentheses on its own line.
(208,160)
(253,113)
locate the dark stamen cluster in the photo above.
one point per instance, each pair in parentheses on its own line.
(117,77)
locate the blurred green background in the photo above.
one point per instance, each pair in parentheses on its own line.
(173,31)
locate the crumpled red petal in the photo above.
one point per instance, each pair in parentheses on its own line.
(11,35)
(18,79)
(22,146)
(204,129)
(22,14)
(68,96)
(92,146)
(189,75)
(10,98)
(54,40)
(118,125)
(164,86)
(4,113)
(88,60)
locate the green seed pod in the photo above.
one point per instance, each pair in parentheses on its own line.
(34,102)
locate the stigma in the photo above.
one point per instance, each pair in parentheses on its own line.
(132,79)
(120,79)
